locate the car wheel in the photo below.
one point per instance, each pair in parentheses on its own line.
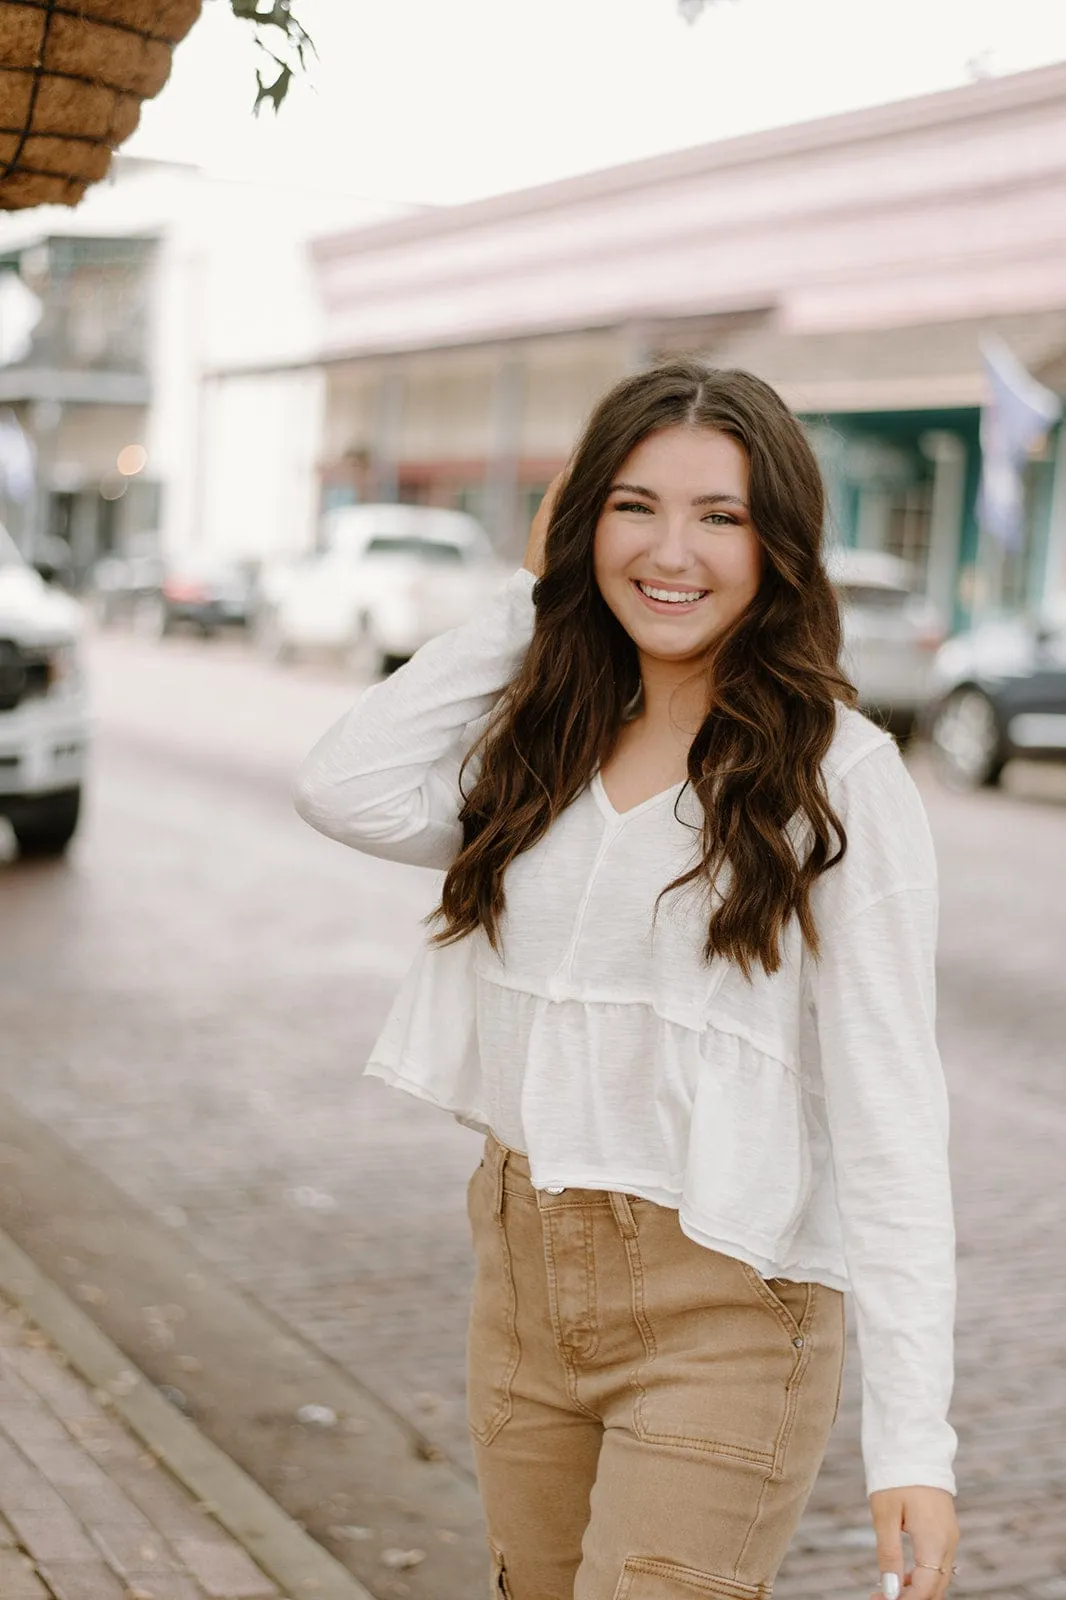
(45,827)
(966,740)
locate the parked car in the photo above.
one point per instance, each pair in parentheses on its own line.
(122,588)
(389,578)
(206,593)
(157,596)
(999,693)
(891,635)
(44,719)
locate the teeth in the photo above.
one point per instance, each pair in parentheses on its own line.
(671,596)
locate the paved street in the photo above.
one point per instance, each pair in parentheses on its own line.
(96,1516)
(186,1005)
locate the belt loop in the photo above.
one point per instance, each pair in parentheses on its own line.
(623,1214)
(498,1153)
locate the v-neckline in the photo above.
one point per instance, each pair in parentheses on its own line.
(611,811)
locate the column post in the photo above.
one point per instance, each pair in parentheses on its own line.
(1054,580)
(388,419)
(947,452)
(505,449)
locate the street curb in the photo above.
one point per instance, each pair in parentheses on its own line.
(287,1554)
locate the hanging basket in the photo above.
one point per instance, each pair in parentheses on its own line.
(73,74)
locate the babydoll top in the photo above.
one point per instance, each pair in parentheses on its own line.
(796,1120)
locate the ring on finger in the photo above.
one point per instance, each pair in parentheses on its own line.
(947,1572)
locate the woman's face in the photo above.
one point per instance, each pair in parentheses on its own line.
(676,556)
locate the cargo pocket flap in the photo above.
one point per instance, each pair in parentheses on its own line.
(644,1578)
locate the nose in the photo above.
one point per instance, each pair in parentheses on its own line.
(670,550)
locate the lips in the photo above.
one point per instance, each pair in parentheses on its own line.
(670,597)
(665,600)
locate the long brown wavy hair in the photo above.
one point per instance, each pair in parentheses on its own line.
(773,683)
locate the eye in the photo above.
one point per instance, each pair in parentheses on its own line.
(631,505)
(720,519)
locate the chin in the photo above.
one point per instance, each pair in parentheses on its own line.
(694,650)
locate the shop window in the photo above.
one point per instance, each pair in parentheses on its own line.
(908,527)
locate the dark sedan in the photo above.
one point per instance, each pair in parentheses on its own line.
(124,586)
(205,593)
(999,692)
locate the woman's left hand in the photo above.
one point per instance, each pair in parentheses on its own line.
(928,1517)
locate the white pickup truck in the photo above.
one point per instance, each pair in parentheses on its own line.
(388,578)
(44,721)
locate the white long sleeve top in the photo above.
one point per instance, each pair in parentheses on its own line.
(796,1121)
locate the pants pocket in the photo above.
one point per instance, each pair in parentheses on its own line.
(721,1362)
(492,1345)
(500,1589)
(789,1301)
(644,1578)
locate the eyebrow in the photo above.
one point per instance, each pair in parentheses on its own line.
(700,499)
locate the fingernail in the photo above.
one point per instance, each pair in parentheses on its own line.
(890,1586)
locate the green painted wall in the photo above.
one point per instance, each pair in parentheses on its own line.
(902,431)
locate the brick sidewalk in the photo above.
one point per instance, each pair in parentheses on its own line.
(85,1512)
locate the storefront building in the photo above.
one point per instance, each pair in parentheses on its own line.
(115,319)
(78,388)
(855,262)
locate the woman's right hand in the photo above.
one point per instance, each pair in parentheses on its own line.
(538,532)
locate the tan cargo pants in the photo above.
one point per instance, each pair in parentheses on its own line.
(648,1415)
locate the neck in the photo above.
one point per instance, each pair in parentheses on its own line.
(675,697)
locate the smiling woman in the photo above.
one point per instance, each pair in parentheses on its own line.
(696,483)
(682,979)
(675,551)
(676,563)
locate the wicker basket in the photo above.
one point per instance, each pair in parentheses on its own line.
(73,74)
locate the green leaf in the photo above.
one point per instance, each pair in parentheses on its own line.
(275,14)
(274,92)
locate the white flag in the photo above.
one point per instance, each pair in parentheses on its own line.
(1018,413)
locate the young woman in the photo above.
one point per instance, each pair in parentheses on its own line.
(682,978)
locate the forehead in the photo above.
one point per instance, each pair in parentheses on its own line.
(681,459)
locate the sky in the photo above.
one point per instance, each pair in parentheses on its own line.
(440,101)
